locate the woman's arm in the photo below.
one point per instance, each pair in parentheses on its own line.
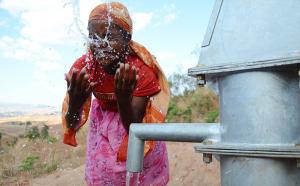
(132,111)
(131,108)
(79,89)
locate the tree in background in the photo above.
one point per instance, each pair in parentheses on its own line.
(190,103)
(181,84)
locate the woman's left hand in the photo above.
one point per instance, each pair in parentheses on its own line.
(125,81)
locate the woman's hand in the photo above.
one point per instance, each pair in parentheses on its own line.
(79,90)
(131,108)
(125,81)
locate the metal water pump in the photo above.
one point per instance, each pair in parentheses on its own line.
(251,55)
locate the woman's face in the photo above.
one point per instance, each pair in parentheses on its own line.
(108,42)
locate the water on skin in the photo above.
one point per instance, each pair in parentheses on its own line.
(132,179)
(88,41)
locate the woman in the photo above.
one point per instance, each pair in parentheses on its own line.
(128,86)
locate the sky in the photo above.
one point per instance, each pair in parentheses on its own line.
(40,40)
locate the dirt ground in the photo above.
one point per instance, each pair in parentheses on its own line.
(186,168)
(48,119)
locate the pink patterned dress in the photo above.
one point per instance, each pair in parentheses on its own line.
(104,138)
(105,165)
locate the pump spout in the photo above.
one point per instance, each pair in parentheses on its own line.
(179,132)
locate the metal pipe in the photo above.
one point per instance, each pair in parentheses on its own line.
(260,108)
(187,132)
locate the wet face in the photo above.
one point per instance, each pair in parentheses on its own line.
(108,43)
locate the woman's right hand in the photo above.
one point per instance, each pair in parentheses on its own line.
(79,89)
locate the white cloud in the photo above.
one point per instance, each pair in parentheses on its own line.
(48,66)
(42,78)
(165,15)
(167,60)
(21,49)
(165,55)
(171,63)
(188,62)
(16,8)
(51,21)
(141,20)
(45,27)
(169,18)
(46,62)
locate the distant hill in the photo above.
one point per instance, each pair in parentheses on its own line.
(12,110)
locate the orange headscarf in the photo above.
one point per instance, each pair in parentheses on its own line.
(115,11)
(157,107)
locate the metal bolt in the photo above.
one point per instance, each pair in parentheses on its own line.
(207,158)
(299,77)
(201,80)
(298,163)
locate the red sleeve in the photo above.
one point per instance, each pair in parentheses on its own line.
(78,64)
(147,84)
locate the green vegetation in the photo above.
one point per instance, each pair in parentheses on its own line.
(34,166)
(34,133)
(51,139)
(190,103)
(210,117)
(44,132)
(28,163)
(50,167)
(35,153)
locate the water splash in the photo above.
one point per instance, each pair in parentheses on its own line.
(97,41)
(75,6)
(104,54)
(132,178)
